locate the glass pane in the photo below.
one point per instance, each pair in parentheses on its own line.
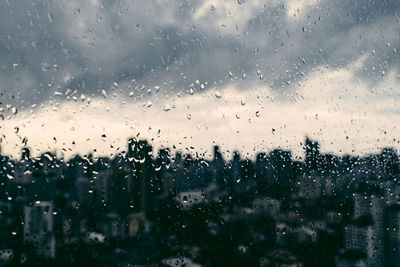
(199,133)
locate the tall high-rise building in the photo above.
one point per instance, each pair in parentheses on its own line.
(162,168)
(369,204)
(236,168)
(372,205)
(38,228)
(390,162)
(25,153)
(312,154)
(218,164)
(281,165)
(141,175)
(360,235)
(392,244)
(102,181)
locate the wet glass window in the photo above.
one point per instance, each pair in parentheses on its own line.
(199,133)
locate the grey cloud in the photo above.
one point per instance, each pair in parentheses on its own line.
(51,46)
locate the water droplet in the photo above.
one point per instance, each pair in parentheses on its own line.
(149,104)
(50,17)
(230,74)
(242,102)
(45,66)
(237,116)
(167,107)
(244,76)
(48,156)
(257,114)
(14,110)
(191,91)
(218,94)
(104,93)
(131,93)
(189,116)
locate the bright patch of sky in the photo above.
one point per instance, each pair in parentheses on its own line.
(331,106)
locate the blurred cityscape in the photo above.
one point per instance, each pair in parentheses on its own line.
(145,209)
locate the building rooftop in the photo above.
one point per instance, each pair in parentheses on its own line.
(363,221)
(352,254)
(394,208)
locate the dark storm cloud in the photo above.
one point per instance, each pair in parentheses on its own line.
(48,46)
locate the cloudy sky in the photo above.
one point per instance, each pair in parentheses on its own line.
(249,75)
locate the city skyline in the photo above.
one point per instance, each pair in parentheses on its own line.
(337,210)
(200,133)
